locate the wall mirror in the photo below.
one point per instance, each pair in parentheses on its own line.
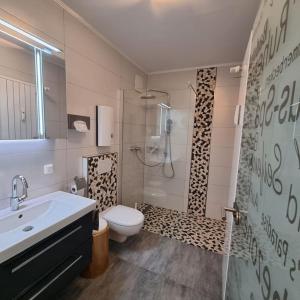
(32,90)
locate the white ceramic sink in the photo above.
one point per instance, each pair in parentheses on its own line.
(37,219)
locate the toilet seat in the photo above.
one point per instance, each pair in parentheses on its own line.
(123,221)
(124,216)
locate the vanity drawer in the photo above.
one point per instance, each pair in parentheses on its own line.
(48,286)
(41,259)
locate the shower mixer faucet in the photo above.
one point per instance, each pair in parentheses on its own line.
(135,148)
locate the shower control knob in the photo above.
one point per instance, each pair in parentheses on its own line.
(134,148)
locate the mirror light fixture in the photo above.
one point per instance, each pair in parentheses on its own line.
(39,93)
(41,43)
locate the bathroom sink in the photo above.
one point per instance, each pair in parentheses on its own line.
(37,219)
(23,216)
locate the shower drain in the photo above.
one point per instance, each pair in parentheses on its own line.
(27,228)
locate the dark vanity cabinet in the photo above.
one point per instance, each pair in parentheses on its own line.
(43,269)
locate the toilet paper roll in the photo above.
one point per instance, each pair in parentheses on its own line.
(73,188)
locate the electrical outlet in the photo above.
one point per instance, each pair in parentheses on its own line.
(48,169)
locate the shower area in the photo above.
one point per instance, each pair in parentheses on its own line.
(177,150)
(156,148)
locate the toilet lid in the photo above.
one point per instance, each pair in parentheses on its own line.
(124,216)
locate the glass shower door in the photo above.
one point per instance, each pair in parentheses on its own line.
(264,258)
(133,135)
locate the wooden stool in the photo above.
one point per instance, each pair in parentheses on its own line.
(100,249)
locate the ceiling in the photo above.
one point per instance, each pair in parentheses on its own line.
(160,35)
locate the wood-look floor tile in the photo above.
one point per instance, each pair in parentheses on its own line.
(149,266)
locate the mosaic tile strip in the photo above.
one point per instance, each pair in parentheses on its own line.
(102,187)
(206,82)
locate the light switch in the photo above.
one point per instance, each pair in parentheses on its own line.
(48,169)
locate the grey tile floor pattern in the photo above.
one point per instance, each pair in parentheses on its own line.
(150,266)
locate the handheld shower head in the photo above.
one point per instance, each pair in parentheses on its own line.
(169,124)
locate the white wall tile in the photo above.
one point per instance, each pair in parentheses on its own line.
(223,116)
(31,165)
(213,211)
(219,175)
(128,72)
(168,201)
(172,80)
(179,136)
(226,95)
(74,159)
(222,142)
(222,137)
(180,118)
(83,41)
(28,146)
(134,113)
(179,167)
(221,156)
(77,95)
(180,99)
(86,73)
(225,78)
(217,195)
(133,134)
(165,185)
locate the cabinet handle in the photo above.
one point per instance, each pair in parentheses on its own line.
(55,278)
(24,263)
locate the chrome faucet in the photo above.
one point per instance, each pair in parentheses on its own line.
(16,199)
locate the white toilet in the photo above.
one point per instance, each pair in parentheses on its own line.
(122,221)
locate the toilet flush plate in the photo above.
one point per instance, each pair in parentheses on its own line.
(104,166)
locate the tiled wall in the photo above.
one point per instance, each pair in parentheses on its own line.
(222,143)
(95,73)
(172,193)
(201,145)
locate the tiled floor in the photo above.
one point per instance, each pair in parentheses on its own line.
(150,266)
(198,231)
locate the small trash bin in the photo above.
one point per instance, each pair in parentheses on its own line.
(100,251)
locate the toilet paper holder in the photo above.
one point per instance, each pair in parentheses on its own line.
(79,183)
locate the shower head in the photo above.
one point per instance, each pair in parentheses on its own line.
(164,105)
(147,96)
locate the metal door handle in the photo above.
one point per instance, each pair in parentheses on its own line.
(235,212)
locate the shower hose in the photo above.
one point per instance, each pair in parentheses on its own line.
(164,160)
